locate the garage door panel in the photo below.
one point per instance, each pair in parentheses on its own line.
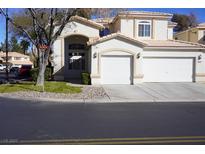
(115,69)
(168,69)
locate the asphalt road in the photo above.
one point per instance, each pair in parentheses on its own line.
(119,123)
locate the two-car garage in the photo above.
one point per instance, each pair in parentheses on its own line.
(119,69)
(121,60)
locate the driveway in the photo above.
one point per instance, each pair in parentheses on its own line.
(156,92)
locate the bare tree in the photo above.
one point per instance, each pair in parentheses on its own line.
(43,26)
(47,25)
(192,20)
(106,12)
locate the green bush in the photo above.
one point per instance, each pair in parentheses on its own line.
(34,73)
(85,78)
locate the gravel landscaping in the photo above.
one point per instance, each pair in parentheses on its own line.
(88,92)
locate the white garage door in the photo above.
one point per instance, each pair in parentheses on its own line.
(115,69)
(168,69)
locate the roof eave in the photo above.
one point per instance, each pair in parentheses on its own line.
(174,48)
(84,20)
(116,36)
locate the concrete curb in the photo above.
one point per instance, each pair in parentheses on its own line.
(104,100)
(39,99)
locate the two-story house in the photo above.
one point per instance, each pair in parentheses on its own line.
(15,59)
(195,34)
(138,48)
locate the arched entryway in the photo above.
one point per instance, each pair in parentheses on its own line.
(76,57)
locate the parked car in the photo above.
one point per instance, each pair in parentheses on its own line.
(2,67)
(25,70)
(14,69)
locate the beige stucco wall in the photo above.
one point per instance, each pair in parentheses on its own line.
(127,27)
(160,29)
(115,46)
(181,36)
(115,27)
(72,28)
(200,36)
(192,35)
(58,58)
(79,28)
(170,33)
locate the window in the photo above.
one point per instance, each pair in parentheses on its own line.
(76,46)
(144,29)
(204,36)
(17,58)
(76,61)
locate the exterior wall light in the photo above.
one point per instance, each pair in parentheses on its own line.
(138,55)
(95,55)
(199,57)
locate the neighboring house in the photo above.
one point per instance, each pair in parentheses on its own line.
(138,49)
(15,59)
(1,60)
(195,34)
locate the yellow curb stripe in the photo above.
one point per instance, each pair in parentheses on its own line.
(144,142)
(111,139)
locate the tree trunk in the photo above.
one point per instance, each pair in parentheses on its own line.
(42,67)
(41,75)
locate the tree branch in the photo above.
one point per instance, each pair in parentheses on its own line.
(18,27)
(64,21)
(35,19)
(51,20)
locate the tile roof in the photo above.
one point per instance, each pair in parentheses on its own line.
(19,62)
(173,24)
(144,13)
(150,43)
(111,36)
(103,20)
(173,44)
(85,20)
(12,54)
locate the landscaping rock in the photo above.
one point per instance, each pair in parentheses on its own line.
(88,92)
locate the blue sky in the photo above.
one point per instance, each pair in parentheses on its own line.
(199,12)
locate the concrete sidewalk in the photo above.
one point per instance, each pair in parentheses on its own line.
(140,93)
(156,92)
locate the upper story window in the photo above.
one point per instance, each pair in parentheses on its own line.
(144,28)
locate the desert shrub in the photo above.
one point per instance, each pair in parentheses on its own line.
(85,78)
(34,73)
